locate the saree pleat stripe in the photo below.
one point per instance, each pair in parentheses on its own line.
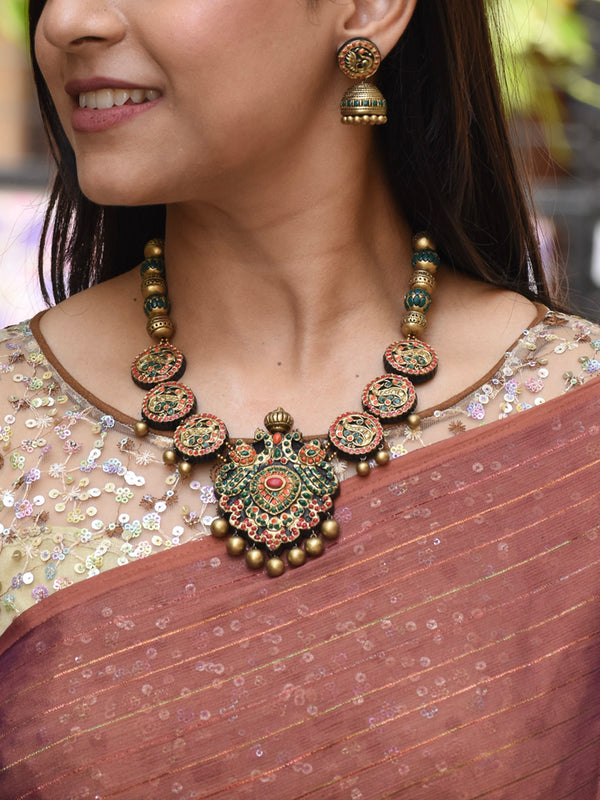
(447,646)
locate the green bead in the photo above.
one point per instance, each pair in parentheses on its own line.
(153,265)
(426,255)
(417,299)
(156,303)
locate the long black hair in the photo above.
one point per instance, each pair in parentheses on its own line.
(447,151)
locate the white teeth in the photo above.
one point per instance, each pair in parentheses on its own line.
(120,97)
(107,98)
(104,98)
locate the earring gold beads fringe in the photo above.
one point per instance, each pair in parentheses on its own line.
(363,103)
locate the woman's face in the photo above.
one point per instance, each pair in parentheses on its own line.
(167,100)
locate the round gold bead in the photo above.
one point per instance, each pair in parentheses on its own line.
(275,567)
(330,529)
(296,557)
(422,241)
(17,555)
(219,528)
(363,469)
(413,421)
(255,559)
(412,331)
(382,457)
(314,546)
(185,468)
(141,428)
(169,457)
(160,327)
(235,545)
(154,248)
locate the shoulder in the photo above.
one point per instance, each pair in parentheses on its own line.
(566,348)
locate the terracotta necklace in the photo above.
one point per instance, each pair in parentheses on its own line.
(275,493)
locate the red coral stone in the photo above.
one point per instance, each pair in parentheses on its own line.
(274,482)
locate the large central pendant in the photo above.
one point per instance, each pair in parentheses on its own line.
(275,495)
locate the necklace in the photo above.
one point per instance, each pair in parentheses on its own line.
(275,493)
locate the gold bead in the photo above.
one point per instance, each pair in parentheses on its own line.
(363,469)
(382,457)
(160,327)
(422,241)
(414,422)
(153,286)
(412,331)
(421,279)
(154,248)
(279,421)
(296,557)
(413,324)
(314,546)
(330,529)
(141,428)
(169,457)
(17,555)
(219,528)
(275,567)
(235,545)
(255,559)
(185,468)
(426,266)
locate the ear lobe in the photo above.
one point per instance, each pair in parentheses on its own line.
(382,21)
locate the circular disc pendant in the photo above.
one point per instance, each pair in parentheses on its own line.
(356,434)
(359,58)
(167,404)
(157,364)
(389,397)
(199,436)
(412,358)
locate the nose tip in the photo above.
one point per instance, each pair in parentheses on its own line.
(69,24)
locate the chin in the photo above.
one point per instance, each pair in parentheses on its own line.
(114,193)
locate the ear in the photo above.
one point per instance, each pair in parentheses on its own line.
(382,21)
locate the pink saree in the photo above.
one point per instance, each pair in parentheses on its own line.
(447,647)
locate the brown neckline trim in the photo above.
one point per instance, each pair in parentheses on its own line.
(105,408)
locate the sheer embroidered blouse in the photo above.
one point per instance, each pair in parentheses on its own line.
(81,494)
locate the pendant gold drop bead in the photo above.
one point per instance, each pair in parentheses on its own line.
(219,528)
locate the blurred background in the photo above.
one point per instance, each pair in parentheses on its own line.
(552,63)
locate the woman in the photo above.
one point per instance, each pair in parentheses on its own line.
(445,643)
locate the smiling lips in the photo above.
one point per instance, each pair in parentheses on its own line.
(100,109)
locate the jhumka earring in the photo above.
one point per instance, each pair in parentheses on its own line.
(362,103)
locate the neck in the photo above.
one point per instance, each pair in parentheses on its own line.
(301,270)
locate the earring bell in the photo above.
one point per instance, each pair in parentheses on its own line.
(363,103)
